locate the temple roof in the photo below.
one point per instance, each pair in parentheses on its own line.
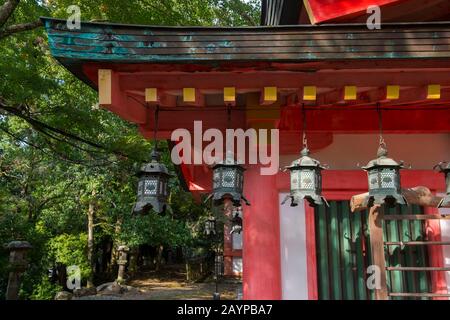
(137,43)
(118,43)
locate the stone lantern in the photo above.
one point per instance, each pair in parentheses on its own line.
(122,262)
(18,264)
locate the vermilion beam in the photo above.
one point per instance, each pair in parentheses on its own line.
(410,96)
(259,80)
(404,119)
(356,180)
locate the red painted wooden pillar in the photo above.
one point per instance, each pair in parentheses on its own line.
(261,246)
(311,258)
(435,253)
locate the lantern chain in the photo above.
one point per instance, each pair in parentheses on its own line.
(155,130)
(228,116)
(380,125)
(304,138)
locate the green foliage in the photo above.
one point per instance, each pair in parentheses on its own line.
(45,290)
(70,250)
(154,230)
(48,178)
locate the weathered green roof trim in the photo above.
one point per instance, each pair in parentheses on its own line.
(411,25)
(107,42)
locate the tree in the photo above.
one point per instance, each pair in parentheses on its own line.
(66,166)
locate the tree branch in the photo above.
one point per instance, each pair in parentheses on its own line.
(42,127)
(20,28)
(7,9)
(238,6)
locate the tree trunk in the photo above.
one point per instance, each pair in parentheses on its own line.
(90,254)
(114,253)
(134,254)
(188,271)
(159,257)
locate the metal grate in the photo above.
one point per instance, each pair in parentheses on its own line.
(228,179)
(150,187)
(307,180)
(387,179)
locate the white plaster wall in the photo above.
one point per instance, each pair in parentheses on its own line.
(294,277)
(237,241)
(237,265)
(445,235)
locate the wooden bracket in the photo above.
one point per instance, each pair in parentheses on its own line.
(376,214)
(421,196)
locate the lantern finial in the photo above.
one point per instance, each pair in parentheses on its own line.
(382,150)
(155,155)
(305,152)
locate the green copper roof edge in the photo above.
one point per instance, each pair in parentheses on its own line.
(256,28)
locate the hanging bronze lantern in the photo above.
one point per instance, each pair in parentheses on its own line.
(384,175)
(306,175)
(228,181)
(236,221)
(306,180)
(210,226)
(152,186)
(444,167)
(228,177)
(384,179)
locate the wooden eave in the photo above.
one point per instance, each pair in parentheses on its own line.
(213,46)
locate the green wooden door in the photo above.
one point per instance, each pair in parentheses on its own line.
(343,252)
